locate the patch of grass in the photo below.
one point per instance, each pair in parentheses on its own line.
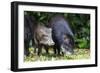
(79,54)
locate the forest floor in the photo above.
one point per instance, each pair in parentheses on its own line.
(78,54)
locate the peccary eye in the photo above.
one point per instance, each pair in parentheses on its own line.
(44,35)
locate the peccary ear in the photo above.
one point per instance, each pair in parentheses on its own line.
(65,37)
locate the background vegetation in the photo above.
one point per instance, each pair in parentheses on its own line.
(79,23)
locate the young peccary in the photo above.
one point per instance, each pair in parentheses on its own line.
(62,35)
(43,38)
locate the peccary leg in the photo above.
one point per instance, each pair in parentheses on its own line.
(58,50)
(26,47)
(39,49)
(46,49)
(54,48)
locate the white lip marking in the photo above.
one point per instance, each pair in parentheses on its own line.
(64,51)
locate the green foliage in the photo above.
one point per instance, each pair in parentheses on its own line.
(80,24)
